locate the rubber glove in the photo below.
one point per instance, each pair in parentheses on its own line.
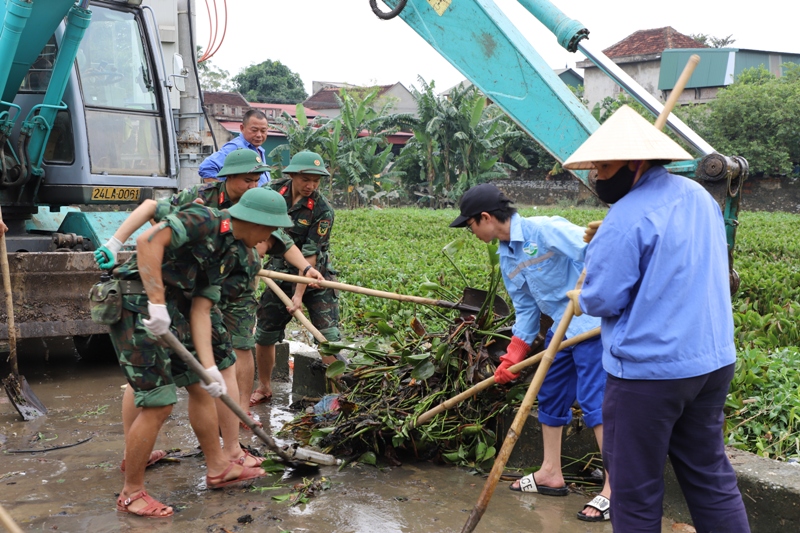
(218,387)
(159,320)
(517,351)
(574,295)
(106,255)
(591,229)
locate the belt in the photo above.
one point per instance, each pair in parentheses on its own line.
(131,286)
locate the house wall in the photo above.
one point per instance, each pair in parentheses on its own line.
(597,85)
(402,99)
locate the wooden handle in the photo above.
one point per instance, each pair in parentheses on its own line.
(677,90)
(8,522)
(425,417)
(354,288)
(12,332)
(298,314)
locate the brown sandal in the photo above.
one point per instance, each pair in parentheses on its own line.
(241,460)
(155,456)
(248,473)
(153,509)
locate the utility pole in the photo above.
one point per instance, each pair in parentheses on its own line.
(190,116)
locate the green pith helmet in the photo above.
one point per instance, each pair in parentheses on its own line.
(262,206)
(242,161)
(307,163)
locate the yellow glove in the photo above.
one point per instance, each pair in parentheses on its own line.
(591,229)
(573,295)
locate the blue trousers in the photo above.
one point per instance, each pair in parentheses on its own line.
(576,373)
(647,420)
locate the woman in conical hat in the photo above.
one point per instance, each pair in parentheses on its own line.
(657,275)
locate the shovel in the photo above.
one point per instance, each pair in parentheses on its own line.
(475,297)
(17,388)
(297,455)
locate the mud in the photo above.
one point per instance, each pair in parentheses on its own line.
(74,489)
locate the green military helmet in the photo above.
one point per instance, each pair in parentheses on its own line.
(307,163)
(262,206)
(242,161)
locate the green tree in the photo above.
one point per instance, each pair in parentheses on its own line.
(301,134)
(270,82)
(713,42)
(757,117)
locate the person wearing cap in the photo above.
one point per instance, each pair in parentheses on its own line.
(312,218)
(657,275)
(541,259)
(254,129)
(171,284)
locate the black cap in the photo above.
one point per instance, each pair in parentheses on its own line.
(484,197)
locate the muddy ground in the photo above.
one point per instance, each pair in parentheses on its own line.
(74,489)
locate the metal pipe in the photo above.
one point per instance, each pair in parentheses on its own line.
(17,13)
(77,22)
(568,31)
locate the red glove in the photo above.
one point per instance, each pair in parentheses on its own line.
(517,351)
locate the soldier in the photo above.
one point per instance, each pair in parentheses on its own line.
(234,318)
(312,216)
(198,247)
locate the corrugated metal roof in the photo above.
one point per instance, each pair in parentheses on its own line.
(718,67)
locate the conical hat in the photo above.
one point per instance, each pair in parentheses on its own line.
(625,136)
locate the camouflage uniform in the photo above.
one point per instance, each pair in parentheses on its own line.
(199,257)
(313,220)
(236,319)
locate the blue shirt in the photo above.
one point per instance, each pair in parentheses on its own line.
(657,274)
(214,162)
(540,263)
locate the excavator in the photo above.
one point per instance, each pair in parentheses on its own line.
(86,120)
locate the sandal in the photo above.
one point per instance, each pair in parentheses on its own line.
(155,456)
(528,484)
(241,460)
(245,426)
(153,509)
(259,397)
(602,504)
(248,473)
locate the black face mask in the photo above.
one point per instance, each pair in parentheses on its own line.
(615,187)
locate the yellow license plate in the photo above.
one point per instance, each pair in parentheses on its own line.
(115,194)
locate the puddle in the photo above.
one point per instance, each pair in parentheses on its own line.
(74,489)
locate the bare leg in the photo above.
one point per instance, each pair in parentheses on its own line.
(245,375)
(589,511)
(549,475)
(229,422)
(265,357)
(203,418)
(140,437)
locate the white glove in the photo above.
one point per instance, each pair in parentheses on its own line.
(106,255)
(159,320)
(218,388)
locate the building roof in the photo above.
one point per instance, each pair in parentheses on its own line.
(224,98)
(290,109)
(326,98)
(648,42)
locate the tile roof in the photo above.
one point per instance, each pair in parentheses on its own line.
(225,98)
(291,109)
(655,41)
(326,99)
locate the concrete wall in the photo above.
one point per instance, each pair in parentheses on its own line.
(597,85)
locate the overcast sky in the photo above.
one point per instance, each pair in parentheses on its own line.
(343,41)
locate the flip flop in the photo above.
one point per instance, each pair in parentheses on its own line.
(259,397)
(153,509)
(155,456)
(248,473)
(602,504)
(528,484)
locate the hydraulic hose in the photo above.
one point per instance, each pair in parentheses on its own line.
(387,15)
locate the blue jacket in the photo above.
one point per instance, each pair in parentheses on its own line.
(213,163)
(657,274)
(540,263)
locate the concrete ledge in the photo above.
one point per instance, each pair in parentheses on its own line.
(309,375)
(770,489)
(280,371)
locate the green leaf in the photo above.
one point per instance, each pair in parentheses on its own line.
(384,328)
(334,369)
(368,458)
(282,497)
(271,465)
(423,371)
